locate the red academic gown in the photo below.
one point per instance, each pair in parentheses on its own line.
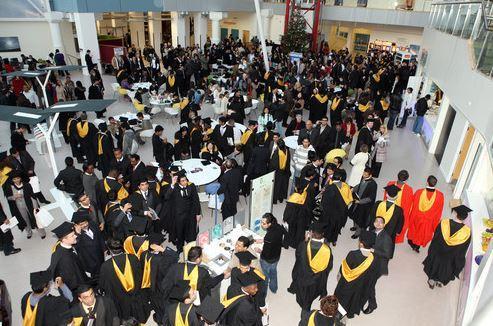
(422,224)
(405,201)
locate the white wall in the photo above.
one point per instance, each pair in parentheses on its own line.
(34,38)
(400,35)
(454,144)
(68,43)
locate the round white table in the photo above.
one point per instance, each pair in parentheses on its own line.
(136,86)
(291,142)
(197,173)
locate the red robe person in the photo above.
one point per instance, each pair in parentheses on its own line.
(405,201)
(425,216)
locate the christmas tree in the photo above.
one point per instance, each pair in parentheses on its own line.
(296,38)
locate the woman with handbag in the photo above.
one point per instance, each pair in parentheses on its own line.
(379,154)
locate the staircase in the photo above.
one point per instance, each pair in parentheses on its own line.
(487,8)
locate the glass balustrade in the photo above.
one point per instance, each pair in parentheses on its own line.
(414,5)
(466,20)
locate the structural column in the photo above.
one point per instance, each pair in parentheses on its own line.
(178,29)
(216,17)
(137,31)
(155,30)
(200,28)
(85,24)
(54,18)
(267,15)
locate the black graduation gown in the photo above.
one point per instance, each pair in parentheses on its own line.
(91,251)
(364,137)
(248,146)
(353,295)
(51,310)
(105,312)
(259,162)
(394,226)
(306,284)
(73,138)
(318,110)
(158,149)
(182,145)
(281,181)
(106,156)
(102,194)
(131,303)
(28,198)
(360,213)
(191,320)
(444,263)
(195,141)
(245,312)
(160,265)
(336,113)
(259,298)
(299,216)
(66,264)
(320,320)
(224,142)
(176,273)
(334,212)
(165,217)
(88,143)
(110,214)
(231,183)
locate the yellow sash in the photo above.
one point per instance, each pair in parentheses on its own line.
(193,277)
(4,175)
(128,246)
(228,302)
(280,82)
(266,75)
(30,314)
(458,237)
(55,246)
(83,128)
(335,103)
(283,158)
(383,212)
(311,320)
(100,143)
(179,318)
(122,192)
(77,321)
(321,260)
(183,103)
(352,274)
(426,204)
(398,200)
(126,278)
(246,135)
(259,274)
(266,135)
(171,81)
(108,206)
(346,193)
(363,108)
(321,99)
(146,275)
(158,188)
(194,129)
(69,122)
(385,105)
(297,198)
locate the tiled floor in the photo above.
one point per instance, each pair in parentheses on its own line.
(403,297)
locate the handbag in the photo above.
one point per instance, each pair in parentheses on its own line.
(43,218)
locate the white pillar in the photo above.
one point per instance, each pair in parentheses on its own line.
(155,30)
(178,29)
(137,32)
(85,24)
(216,17)
(54,18)
(261,35)
(267,15)
(200,28)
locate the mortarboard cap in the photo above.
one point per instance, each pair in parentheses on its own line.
(174,169)
(80,216)
(210,309)
(155,238)
(370,120)
(181,173)
(367,238)
(298,112)
(317,227)
(207,121)
(180,290)
(392,190)
(39,279)
(139,225)
(245,257)
(462,211)
(63,229)
(252,122)
(223,119)
(248,278)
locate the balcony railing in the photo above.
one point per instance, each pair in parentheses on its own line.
(469,20)
(413,5)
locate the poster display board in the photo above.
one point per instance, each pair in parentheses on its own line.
(262,193)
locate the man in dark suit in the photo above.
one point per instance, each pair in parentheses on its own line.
(365,194)
(259,161)
(336,136)
(70,179)
(22,161)
(365,136)
(17,139)
(124,223)
(309,132)
(231,184)
(324,131)
(121,163)
(383,250)
(223,137)
(90,243)
(144,201)
(158,147)
(138,172)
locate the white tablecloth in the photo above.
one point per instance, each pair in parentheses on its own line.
(291,142)
(141,85)
(207,174)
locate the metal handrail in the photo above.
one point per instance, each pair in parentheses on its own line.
(487,18)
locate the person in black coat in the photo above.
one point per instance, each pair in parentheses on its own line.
(121,163)
(336,136)
(231,183)
(103,310)
(138,172)
(186,210)
(322,144)
(279,162)
(70,179)
(22,162)
(6,238)
(17,139)
(259,161)
(365,194)
(86,136)
(309,132)
(223,137)
(295,125)
(365,136)
(104,149)
(158,146)
(90,243)
(88,59)
(146,202)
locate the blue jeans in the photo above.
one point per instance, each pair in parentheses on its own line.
(392,117)
(418,124)
(279,128)
(270,271)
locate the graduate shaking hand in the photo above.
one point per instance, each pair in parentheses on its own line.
(227,274)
